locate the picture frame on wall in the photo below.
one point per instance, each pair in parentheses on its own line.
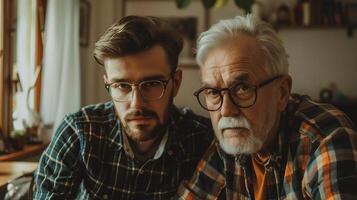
(187,27)
(188,22)
(84,22)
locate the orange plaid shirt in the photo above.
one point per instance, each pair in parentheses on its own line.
(316,159)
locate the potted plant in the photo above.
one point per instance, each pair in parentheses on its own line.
(18,139)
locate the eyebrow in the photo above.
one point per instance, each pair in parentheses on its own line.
(148,78)
(240,78)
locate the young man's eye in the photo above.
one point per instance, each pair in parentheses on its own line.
(122,86)
(151,84)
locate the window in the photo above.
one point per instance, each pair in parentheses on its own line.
(21,30)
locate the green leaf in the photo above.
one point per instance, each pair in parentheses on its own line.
(208,3)
(182,3)
(245,4)
(220,3)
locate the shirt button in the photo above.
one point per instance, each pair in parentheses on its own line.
(170,152)
(105,196)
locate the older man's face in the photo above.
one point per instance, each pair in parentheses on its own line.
(243,130)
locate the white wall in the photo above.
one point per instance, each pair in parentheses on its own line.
(317,56)
(103,14)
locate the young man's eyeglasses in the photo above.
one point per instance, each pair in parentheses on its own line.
(150,90)
(241,94)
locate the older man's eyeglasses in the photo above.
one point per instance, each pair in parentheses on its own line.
(241,94)
(150,90)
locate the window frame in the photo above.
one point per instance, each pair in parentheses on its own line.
(9,13)
(8,27)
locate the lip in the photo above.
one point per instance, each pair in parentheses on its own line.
(140,119)
(234,132)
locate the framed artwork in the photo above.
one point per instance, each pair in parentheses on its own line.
(187,27)
(188,22)
(84,22)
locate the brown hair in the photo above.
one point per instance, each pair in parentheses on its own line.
(132,34)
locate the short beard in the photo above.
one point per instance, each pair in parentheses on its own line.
(149,134)
(249,145)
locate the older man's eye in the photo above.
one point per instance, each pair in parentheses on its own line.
(242,88)
(211,92)
(242,91)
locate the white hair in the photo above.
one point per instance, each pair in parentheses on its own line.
(276,58)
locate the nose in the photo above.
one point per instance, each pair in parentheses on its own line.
(137,100)
(228,109)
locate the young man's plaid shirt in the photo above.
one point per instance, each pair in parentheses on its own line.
(87,150)
(316,159)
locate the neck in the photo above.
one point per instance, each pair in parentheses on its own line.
(146,149)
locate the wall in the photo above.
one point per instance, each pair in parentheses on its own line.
(92,85)
(317,56)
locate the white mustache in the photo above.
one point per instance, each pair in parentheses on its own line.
(233,122)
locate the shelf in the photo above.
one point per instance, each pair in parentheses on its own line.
(11,170)
(322,27)
(28,151)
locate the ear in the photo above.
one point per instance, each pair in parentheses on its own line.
(105,79)
(177,81)
(284,91)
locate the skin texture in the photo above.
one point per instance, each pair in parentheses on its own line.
(144,121)
(242,59)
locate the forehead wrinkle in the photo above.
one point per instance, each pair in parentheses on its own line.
(211,73)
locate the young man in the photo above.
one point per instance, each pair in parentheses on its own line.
(138,146)
(270,144)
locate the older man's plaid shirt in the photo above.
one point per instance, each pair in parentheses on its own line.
(87,150)
(317,159)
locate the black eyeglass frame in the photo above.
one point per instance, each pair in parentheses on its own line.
(163,82)
(255,87)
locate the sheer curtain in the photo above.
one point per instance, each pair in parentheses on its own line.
(25,61)
(61,73)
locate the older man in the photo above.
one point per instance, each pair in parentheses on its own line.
(270,144)
(138,146)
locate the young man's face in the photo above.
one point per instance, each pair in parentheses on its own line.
(244,130)
(143,119)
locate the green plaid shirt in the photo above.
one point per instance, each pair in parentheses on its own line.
(86,158)
(316,158)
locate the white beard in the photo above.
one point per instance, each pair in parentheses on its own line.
(247,145)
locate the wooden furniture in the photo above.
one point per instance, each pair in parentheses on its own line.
(10,170)
(28,151)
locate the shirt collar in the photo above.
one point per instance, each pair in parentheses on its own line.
(116,135)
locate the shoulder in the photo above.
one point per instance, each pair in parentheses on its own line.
(96,113)
(190,133)
(92,117)
(193,120)
(319,120)
(325,137)
(190,126)
(208,178)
